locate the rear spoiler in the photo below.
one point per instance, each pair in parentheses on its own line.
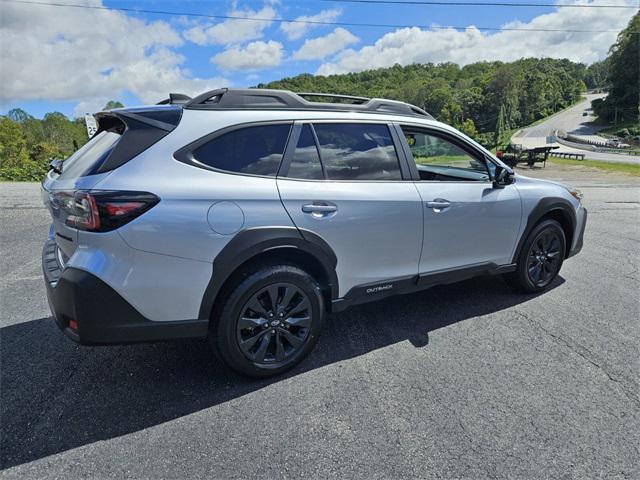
(140,129)
(175,99)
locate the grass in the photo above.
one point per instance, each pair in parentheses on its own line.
(618,167)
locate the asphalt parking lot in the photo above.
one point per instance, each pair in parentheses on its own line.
(463,381)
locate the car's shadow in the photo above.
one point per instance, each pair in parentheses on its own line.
(56,395)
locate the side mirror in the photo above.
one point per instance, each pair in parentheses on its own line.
(503,177)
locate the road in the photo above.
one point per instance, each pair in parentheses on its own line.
(571,121)
(464,381)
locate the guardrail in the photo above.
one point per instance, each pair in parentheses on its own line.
(570,141)
(576,139)
(577,156)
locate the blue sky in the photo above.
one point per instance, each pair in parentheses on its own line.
(72,60)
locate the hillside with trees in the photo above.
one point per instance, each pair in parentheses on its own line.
(484,99)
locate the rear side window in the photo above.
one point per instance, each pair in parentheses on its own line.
(352,151)
(254,150)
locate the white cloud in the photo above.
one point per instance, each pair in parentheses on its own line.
(254,56)
(414,45)
(297,30)
(58,53)
(322,47)
(92,105)
(233,31)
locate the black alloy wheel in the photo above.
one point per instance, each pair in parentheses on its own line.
(544,258)
(540,258)
(270,319)
(274,324)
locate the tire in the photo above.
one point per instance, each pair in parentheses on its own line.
(258,339)
(540,259)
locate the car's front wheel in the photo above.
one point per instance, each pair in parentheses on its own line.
(540,259)
(270,321)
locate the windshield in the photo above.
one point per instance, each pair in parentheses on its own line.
(87,160)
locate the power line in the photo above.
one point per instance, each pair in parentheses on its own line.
(480,4)
(310,22)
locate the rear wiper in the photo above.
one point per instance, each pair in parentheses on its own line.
(56,165)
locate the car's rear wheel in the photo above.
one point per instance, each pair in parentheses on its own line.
(540,259)
(270,321)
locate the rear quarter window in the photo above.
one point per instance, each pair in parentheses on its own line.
(255,150)
(91,156)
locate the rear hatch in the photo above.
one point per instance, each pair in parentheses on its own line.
(121,136)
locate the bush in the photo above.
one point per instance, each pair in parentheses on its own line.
(26,172)
(27,144)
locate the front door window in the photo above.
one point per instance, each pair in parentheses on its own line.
(437,158)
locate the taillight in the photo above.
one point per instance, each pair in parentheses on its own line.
(102,211)
(85,214)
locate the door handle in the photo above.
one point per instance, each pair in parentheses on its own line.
(317,208)
(438,204)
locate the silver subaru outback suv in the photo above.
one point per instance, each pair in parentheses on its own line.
(247,215)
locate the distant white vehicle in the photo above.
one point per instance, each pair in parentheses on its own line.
(616,143)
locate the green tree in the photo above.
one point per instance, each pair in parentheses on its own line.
(18,115)
(623,101)
(13,146)
(64,134)
(624,71)
(44,152)
(15,162)
(469,128)
(111,104)
(597,75)
(499,132)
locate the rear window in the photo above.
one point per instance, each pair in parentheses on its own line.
(352,151)
(88,159)
(253,150)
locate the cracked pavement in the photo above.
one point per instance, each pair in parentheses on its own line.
(461,381)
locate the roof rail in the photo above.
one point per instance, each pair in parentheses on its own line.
(354,99)
(266,99)
(175,99)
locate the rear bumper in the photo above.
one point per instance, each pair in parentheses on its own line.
(579,235)
(103,317)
